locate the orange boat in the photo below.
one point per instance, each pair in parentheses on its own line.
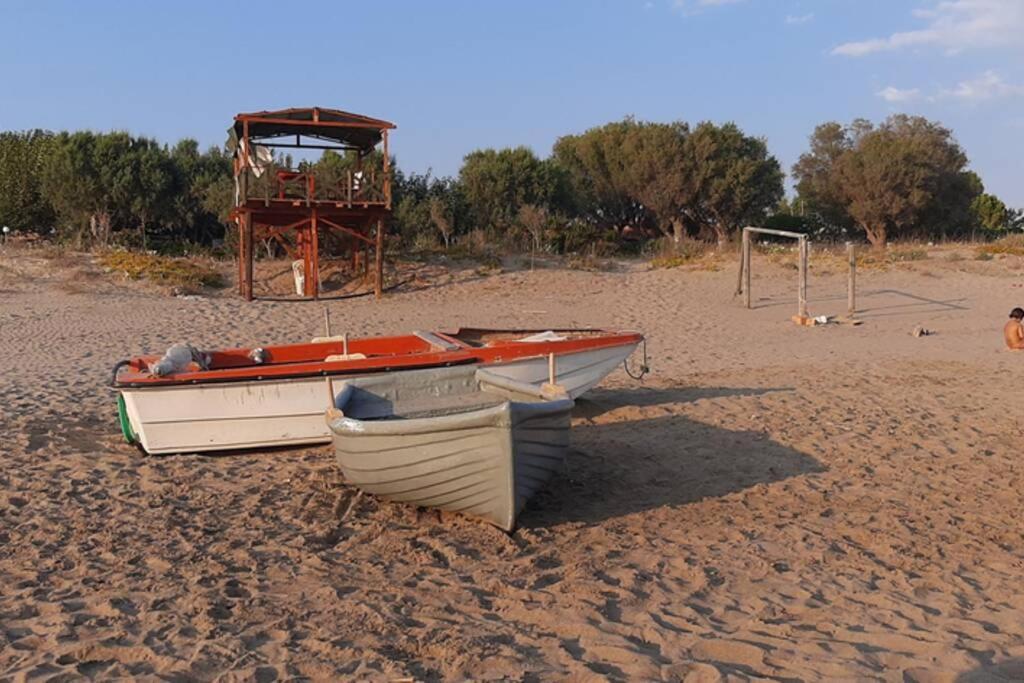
(277,395)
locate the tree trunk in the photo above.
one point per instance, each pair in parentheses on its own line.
(876,234)
(678,231)
(99,228)
(721,234)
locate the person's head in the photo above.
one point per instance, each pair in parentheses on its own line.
(1017,313)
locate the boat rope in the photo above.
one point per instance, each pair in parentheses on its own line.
(644,368)
(113,375)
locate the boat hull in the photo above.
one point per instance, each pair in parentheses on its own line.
(577,372)
(271,413)
(483,462)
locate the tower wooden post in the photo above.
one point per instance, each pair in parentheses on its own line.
(378,266)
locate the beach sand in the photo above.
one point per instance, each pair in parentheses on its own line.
(772,501)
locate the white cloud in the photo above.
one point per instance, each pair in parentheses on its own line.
(800,19)
(953,26)
(988,86)
(898,96)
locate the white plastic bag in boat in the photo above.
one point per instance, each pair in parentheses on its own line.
(543,337)
(177,359)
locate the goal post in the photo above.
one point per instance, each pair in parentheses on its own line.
(743,286)
(804,247)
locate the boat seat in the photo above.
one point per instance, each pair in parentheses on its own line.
(434,340)
(344,356)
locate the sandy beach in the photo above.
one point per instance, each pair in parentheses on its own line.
(772,502)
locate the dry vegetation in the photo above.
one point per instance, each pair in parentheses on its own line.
(182,274)
(1012,245)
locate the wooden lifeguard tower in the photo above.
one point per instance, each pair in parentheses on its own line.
(294,205)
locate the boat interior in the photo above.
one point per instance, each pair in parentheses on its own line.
(430,393)
(338,354)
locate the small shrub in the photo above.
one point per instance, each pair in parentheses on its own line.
(983,256)
(1012,244)
(424,242)
(671,254)
(907,254)
(588,262)
(184,274)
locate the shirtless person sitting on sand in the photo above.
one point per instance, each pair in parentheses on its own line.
(1014,330)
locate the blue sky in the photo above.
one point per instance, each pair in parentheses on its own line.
(460,75)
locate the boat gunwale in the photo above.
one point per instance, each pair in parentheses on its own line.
(506,351)
(501,415)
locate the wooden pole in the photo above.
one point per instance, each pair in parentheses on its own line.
(851,284)
(746,268)
(330,393)
(802,291)
(313,281)
(247,255)
(387,171)
(378,280)
(552,376)
(239,224)
(739,275)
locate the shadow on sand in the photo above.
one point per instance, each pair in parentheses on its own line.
(626,467)
(989,672)
(912,304)
(600,401)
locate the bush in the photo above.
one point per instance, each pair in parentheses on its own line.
(1011,244)
(183,274)
(907,254)
(669,254)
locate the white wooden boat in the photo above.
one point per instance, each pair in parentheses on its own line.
(278,398)
(460,439)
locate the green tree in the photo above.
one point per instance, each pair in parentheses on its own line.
(667,177)
(419,197)
(733,179)
(656,171)
(150,188)
(71,183)
(991,213)
(497,182)
(595,164)
(814,172)
(203,192)
(906,177)
(23,205)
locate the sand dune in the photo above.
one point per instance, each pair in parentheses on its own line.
(773,502)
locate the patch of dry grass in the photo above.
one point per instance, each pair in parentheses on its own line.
(687,252)
(184,274)
(904,254)
(588,262)
(1012,245)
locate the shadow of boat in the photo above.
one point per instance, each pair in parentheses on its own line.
(597,402)
(626,467)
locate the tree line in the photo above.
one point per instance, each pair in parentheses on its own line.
(620,184)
